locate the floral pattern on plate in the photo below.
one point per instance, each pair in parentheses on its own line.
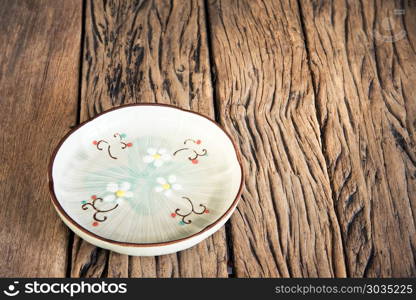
(116,193)
(167,186)
(157,157)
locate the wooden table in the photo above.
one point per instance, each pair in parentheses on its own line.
(319,95)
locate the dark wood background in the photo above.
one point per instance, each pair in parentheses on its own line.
(319,95)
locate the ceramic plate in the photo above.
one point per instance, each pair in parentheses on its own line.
(145,179)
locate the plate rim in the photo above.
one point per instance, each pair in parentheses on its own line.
(60,209)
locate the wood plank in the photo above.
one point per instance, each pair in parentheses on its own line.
(364,65)
(38,88)
(148,51)
(285,224)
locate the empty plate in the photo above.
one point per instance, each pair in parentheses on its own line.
(145,179)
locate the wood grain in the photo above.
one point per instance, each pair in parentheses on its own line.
(285,224)
(147,51)
(318,95)
(38,88)
(364,61)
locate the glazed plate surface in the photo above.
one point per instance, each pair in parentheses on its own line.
(145,179)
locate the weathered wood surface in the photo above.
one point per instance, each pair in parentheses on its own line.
(317,94)
(147,51)
(363,62)
(38,98)
(285,224)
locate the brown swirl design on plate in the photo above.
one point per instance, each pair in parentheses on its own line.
(184,216)
(194,154)
(97,215)
(101,144)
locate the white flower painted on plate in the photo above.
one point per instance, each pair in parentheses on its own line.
(118,192)
(157,156)
(167,186)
